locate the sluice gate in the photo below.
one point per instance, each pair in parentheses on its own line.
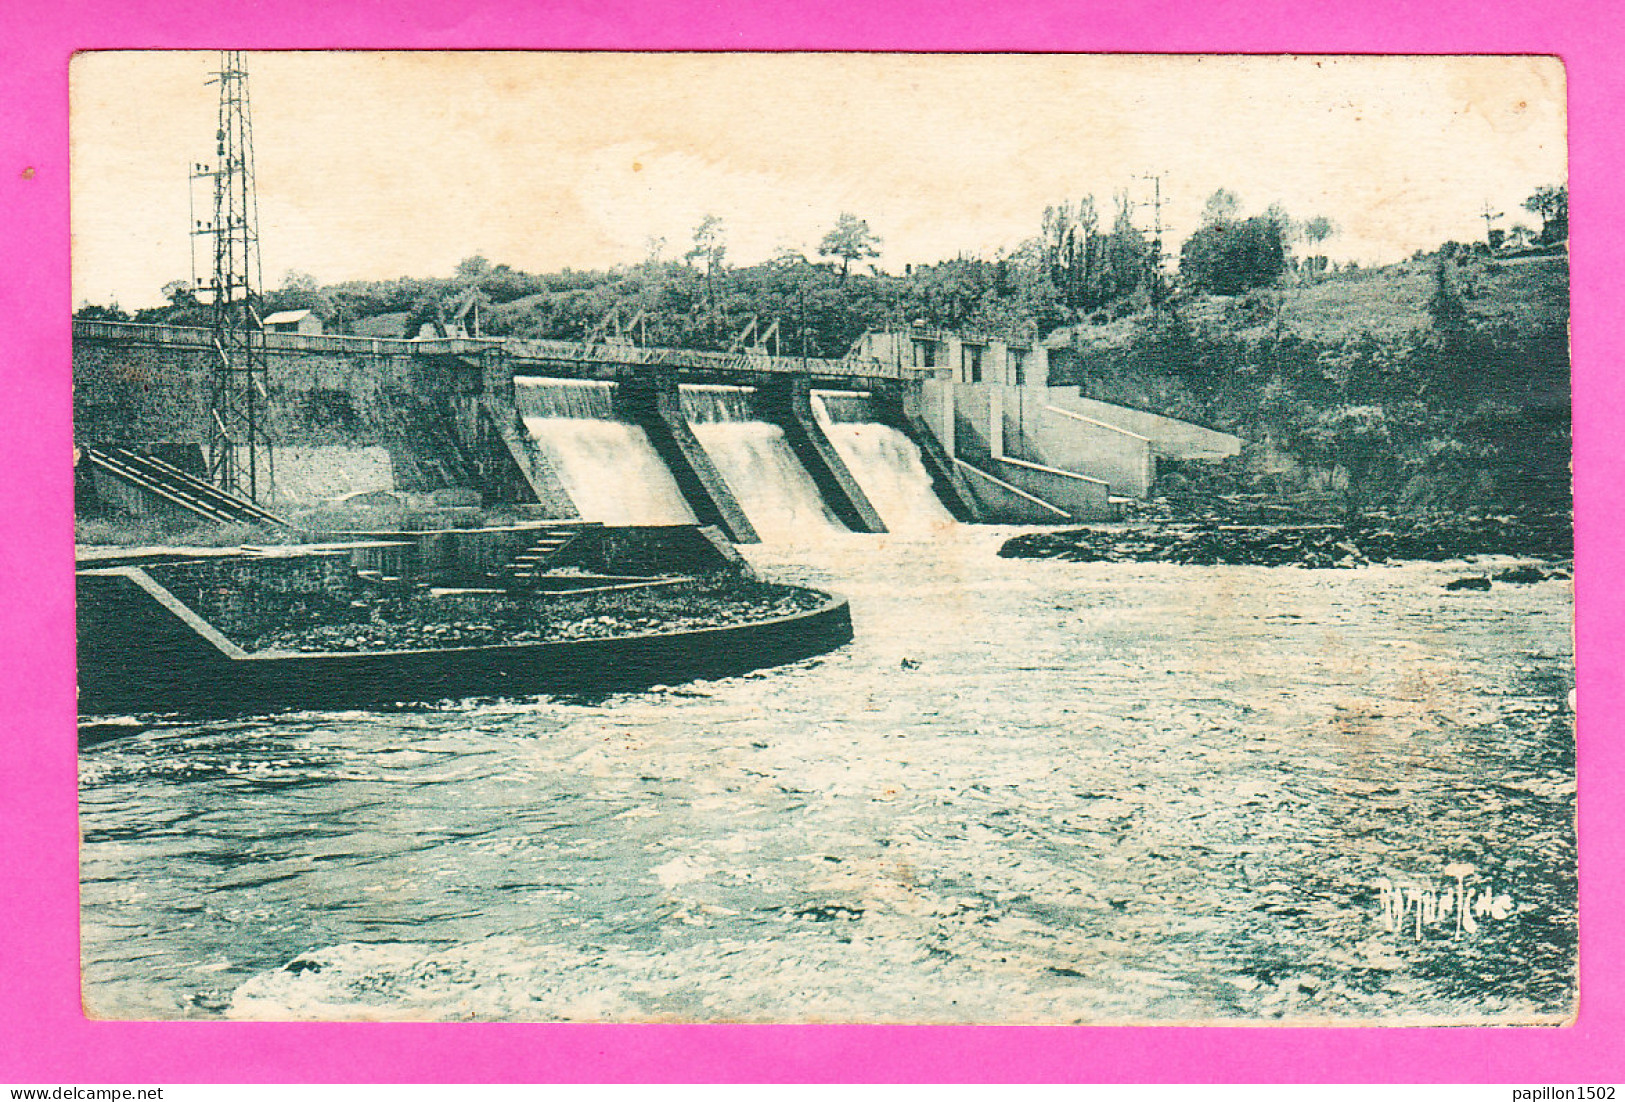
(887,463)
(755,459)
(609,468)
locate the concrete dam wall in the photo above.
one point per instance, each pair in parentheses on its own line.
(348,417)
(758,453)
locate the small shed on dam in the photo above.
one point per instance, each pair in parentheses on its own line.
(304,322)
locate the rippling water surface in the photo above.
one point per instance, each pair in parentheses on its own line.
(1028,791)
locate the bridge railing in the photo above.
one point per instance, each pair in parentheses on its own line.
(576,352)
(548,351)
(149,333)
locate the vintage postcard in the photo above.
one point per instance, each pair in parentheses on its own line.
(875,538)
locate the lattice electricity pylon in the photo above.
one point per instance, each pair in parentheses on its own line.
(240,454)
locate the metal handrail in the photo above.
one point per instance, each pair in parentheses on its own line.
(519,348)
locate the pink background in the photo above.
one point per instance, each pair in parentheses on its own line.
(43,1036)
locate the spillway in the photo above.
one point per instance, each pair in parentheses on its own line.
(757,463)
(608,467)
(883,459)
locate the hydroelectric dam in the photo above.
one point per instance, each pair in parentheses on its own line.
(1010,791)
(912,428)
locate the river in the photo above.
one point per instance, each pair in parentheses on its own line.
(1029,791)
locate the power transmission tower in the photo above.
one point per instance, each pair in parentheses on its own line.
(1490,215)
(240,453)
(1156,244)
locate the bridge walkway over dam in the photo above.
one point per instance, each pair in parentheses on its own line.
(569,359)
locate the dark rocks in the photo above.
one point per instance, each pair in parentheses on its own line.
(1475,582)
(1322,546)
(829,912)
(1212,541)
(1523,575)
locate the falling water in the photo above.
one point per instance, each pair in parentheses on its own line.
(756,462)
(608,467)
(572,399)
(711,405)
(884,460)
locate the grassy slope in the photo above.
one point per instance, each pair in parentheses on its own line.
(1526,293)
(1470,419)
(1379,302)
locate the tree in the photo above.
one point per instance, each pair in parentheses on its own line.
(472,269)
(851,239)
(1359,441)
(1222,206)
(1319,228)
(92,312)
(1071,247)
(1089,267)
(710,242)
(1229,255)
(179,293)
(1288,229)
(1128,253)
(1231,258)
(299,291)
(786,257)
(1316,230)
(711,246)
(1552,204)
(1445,305)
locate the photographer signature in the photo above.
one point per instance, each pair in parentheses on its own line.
(1419,905)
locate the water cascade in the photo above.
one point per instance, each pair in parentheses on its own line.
(608,467)
(883,459)
(757,463)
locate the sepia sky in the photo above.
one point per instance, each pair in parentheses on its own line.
(377,165)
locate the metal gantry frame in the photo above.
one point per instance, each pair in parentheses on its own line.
(241,458)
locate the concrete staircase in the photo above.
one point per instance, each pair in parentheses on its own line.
(170,484)
(532,562)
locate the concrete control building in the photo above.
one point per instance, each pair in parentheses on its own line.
(1022,449)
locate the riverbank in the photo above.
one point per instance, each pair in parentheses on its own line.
(1439,386)
(1316,546)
